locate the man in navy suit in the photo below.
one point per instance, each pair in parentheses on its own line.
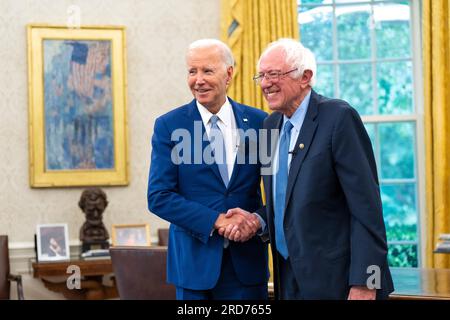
(204,163)
(323,211)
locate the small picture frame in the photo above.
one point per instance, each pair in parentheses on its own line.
(52,242)
(131,235)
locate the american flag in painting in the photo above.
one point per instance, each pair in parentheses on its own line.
(78,105)
(85,62)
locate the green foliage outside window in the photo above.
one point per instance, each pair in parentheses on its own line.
(403,232)
(403,256)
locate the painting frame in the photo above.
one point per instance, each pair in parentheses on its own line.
(122,234)
(116,171)
(52,242)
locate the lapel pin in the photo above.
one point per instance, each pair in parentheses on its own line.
(245,119)
(302,146)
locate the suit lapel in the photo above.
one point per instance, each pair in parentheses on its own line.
(303,143)
(195,116)
(242,124)
(273,123)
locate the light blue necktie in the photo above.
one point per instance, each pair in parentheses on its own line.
(280,188)
(218,145)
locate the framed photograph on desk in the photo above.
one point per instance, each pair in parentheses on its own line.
(131,235)
(52,242)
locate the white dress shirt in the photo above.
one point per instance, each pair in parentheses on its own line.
(227,124)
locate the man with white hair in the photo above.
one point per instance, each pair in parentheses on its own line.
(193,192)
(323,212)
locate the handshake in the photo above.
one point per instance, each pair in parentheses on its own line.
(237,225)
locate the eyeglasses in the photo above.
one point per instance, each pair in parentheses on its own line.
(271,75)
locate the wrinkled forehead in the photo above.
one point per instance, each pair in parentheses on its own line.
(211,55)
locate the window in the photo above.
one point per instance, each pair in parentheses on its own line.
(364,52)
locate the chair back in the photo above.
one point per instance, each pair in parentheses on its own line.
(163,237)
(4,268)
(140,273)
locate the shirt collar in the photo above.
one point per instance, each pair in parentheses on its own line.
(297,118)
(224,114)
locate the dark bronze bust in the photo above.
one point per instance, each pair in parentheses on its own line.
(93,233)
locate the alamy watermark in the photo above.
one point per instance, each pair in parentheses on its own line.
(74,280)
(73,17)
(374,281)
(251,147)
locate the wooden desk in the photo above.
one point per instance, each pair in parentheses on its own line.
(54,276)
(420,284)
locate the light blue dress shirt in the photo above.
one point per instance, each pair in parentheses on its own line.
(297,121)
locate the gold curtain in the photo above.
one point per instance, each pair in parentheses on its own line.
(436,56)
(247,26)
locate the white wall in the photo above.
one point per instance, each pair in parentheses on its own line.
(158,32)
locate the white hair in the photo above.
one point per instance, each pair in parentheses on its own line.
(227,55)
(296,56)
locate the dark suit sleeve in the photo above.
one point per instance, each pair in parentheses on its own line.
(262,210)
(163,197)
(356,169)
(262,213)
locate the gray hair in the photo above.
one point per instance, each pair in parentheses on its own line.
(227,55)
(297,56)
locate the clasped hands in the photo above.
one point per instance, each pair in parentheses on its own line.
(237,225)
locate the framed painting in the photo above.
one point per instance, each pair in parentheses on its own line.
(77,106)
(131,235)
(52,242)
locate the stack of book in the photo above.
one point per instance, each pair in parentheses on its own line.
(96,254)
(444,245)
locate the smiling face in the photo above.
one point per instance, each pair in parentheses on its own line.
(286,93)
(208,76)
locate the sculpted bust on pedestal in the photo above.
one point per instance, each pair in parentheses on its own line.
(93,232)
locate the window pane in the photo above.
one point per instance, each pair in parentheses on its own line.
(394,80)
(314,21)
(355,86)
(397,150)
(300,2)
(353,32)
(407,2)
(350,1)
(315,7)
(403,255)
(325,80)
(399,211)
(359,1)
(393,34)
